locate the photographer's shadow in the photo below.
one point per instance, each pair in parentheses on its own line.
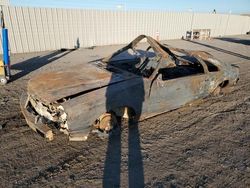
(134,96)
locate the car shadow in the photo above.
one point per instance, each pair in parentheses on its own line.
(133,95)
(37,62)
(221,50)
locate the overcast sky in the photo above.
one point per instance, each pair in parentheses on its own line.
(221,6)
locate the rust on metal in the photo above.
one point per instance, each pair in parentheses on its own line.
(31,120)
(61,84)
(143,84)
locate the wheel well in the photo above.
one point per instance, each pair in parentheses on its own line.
(224,83)
(125,112)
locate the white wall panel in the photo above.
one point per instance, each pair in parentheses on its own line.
(16,32)
(34,31)
(40,29)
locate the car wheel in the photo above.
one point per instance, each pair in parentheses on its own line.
(105,124)
(217,91)
(3,81)
(222,88)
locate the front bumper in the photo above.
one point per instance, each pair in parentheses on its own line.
(31,118)
(34,115)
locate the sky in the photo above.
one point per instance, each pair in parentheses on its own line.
(221,6)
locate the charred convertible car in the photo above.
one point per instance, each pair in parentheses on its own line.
(129,83)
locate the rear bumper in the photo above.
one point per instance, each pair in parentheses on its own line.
(31,118)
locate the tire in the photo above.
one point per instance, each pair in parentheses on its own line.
(3,81)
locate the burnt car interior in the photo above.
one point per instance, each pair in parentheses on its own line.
(156,59)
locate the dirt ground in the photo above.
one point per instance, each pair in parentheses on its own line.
(201,145)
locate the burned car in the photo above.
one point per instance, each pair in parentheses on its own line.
(130,83)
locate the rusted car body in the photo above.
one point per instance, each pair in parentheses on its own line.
(153,81)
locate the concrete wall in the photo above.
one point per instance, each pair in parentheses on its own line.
(40,29)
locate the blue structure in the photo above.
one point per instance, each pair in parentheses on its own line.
(6,57)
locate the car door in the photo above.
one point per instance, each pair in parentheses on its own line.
(165,95)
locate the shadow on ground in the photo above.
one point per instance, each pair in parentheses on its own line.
(37,62)
(221,50)
(235,40)
(112,166)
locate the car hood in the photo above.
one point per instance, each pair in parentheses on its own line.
(55,85)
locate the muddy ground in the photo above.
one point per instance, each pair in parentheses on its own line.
(201,145)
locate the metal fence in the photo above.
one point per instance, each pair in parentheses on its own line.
(41,29)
